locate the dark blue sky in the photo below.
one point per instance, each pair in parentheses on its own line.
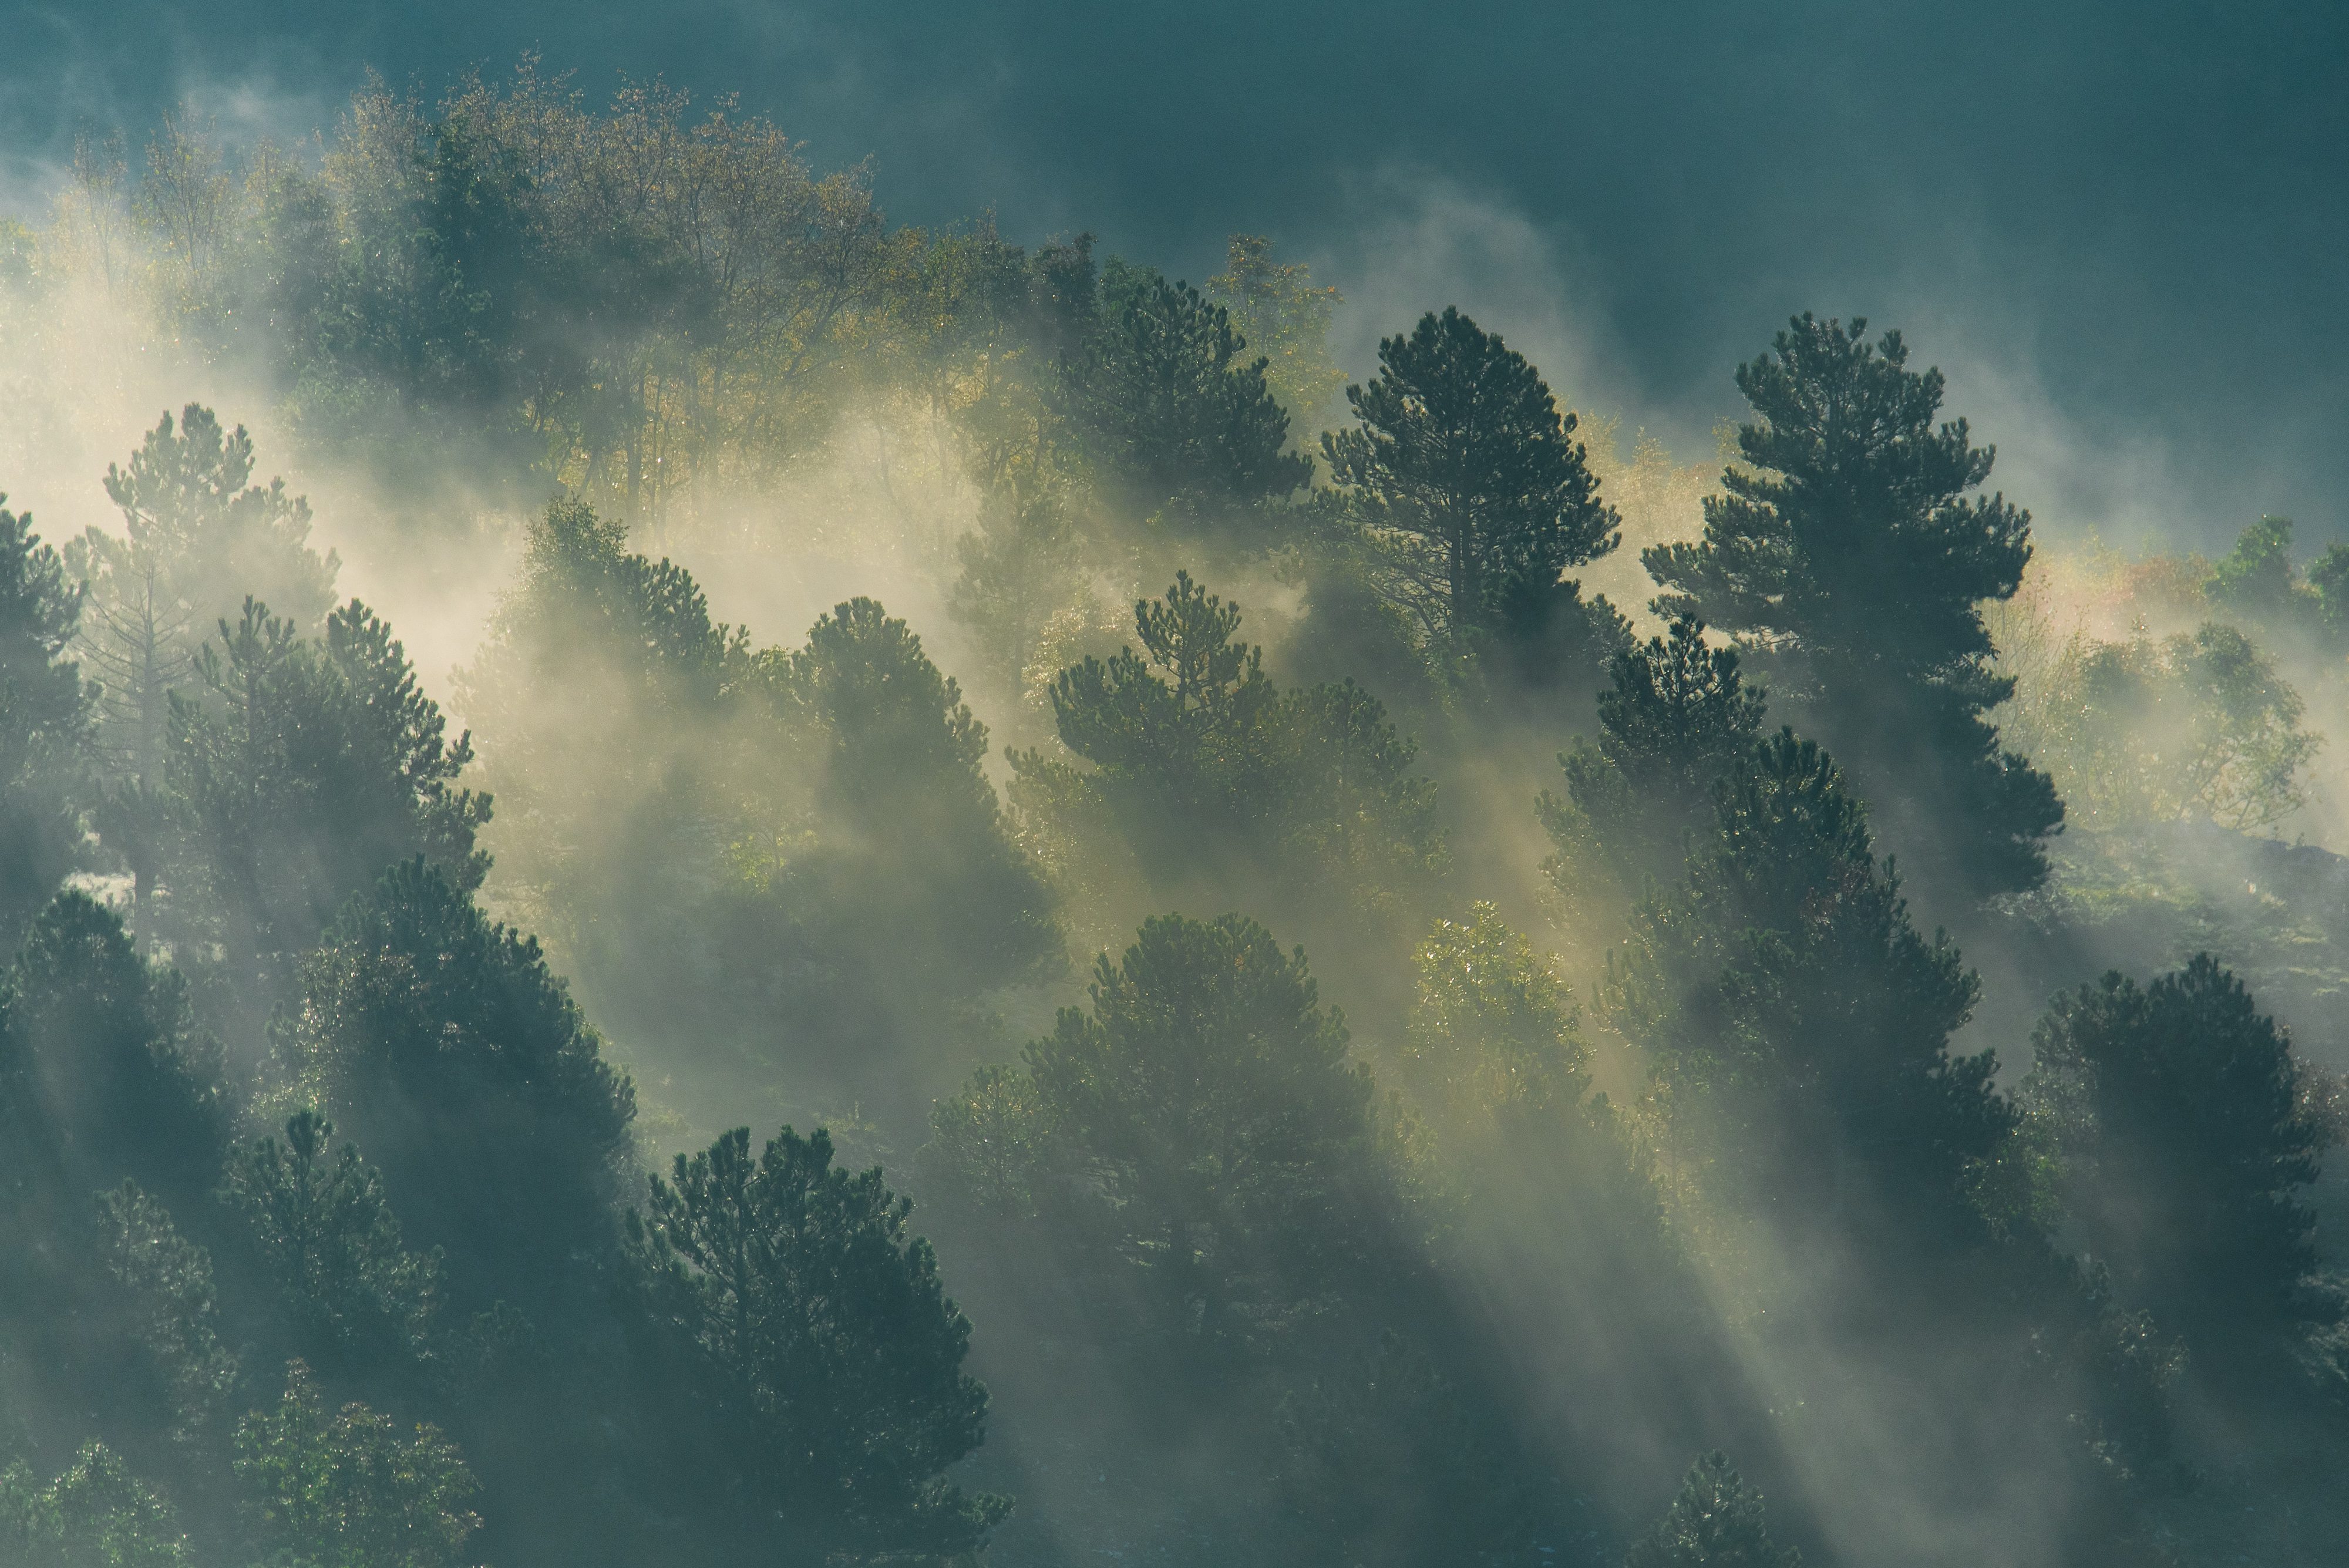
(2123,229)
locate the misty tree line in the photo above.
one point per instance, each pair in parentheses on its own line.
(336,1234)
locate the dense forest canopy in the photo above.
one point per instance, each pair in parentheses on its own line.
(1301,970)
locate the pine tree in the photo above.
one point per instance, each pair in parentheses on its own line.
(44,718)
(1468,496)
(348,1489)
(1677,717)
(98,1514)
(312,767)
(1209,1094)
(2183,1151)
(1785,998)
(1716,1521)
(168,1304)
(1847,547)
(1173,419)
(200,535)
(445,1045)
(1199,761)
(327,1235)
(820,1359)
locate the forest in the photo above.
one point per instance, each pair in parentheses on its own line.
(1002,916)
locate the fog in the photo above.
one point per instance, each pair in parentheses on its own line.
(1397,1043)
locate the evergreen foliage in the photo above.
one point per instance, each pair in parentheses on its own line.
(1783,995)
(1196,753)
(348,1489)
(313,766)
(1716,1521)
(1209,1096)
(445,1045)
(332,1246)
(44,714)
(2183,1152)
(1676,717)
(201,536)
(96,1515)
(1468,495)
(1847,547)
(1162,402)
(820,1358)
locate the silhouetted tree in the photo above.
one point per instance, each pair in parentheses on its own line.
(1470,497)
(1209,1096)
(1784,996)
(2182,1151)
(1173,417)
(444,1045)
(1846,545)
(44,718)
(1676,717)
(818,1358)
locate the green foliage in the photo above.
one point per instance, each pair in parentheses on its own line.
(443,1041)
(1019,570)
(2201,725)
(1209,1096)
(1846,545)
(1494,1027)
(992,1147)
(210,538)
(331,1243)
(96,1515)
(2256,579)
(1676,717)
(2183,1149)
(1276,306)
(1197,753)
(915,852)
(44,715)
(104,1067)
(825,1358)
(1716,1521)
(313,767)
(169,1304)
(1783,995)
(1466,495)
(1387,1463)
(1171,417)
(348,1489)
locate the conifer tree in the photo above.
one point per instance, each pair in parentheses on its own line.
(2183,1152)
(1784,997)
(1676,717)
(1174,419)
(348,1489)
(98,1514)
(1716,1521)
(201,538)
(819,1359)
(1469,495)
(1209,1094)
(329,1238)
(1846,546)
(444,1044)
(312,766)
(1200,759)
(44,718)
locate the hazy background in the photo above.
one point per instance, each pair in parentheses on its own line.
(2120,229)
